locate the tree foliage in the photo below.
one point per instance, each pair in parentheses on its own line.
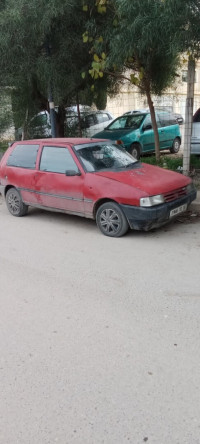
(137,41)
(41,43)
(185,21)
(6,117)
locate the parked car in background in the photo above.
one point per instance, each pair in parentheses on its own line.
(195,140)
(90,123)
(134,131)
(178,117)
(40,125)
(93,179)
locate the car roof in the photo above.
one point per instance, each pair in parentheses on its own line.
(61,141)
(137,111)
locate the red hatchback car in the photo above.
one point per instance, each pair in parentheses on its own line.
(92,178)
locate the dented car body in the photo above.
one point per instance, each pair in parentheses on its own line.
(94,179)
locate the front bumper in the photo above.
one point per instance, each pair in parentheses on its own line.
(147,218)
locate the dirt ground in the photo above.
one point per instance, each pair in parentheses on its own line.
(195,175)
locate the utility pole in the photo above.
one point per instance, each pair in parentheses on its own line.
(52,113)
(188,115)
(50,99)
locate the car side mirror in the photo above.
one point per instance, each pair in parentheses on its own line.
(147,127)
(72,173)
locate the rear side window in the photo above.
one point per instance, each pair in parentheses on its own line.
(23,156)
(167,119)
(57,160)
(103,117)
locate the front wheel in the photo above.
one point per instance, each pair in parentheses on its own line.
(111,220)
(175,146)
(15,203)
(135,151)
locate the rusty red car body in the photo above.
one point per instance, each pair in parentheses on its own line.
(121,193)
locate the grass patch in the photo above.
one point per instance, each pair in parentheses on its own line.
(171,163)
(3,145)
(164,162)
(195,161)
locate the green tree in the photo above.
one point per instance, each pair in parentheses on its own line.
(6,117)
(186,18)
(137,41)
(28,31)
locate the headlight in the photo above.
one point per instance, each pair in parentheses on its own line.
(190,188)
(151,200)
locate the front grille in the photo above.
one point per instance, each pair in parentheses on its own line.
(175,194)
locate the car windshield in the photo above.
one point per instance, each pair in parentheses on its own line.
(132,121)
(100,156)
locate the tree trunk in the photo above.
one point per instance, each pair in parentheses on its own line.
(52,112)
(154,124)
(188,116)
(60,121)
(25,129)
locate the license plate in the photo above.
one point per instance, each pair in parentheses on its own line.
(178,210)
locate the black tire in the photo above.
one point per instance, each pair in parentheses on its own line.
(111,220)
(135,151)
(15,204)
(175,146)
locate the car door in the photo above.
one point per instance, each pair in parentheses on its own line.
(87,125)
(147,138)
(147,135)
(58,182)
(20,169)
(168,130)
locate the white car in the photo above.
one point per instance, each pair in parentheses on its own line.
(40,126)
(91,122)
(195,140)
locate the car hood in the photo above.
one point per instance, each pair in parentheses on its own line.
(149,179)
(113,134)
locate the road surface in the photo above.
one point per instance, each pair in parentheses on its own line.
(99,337)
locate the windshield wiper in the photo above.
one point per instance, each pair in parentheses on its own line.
(131,164)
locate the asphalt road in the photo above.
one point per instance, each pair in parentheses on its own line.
(99,337)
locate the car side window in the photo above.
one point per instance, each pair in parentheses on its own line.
(103,117)
(167,119)
(23,156)
(57,160)
(148,122)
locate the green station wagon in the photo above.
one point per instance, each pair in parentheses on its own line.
(136,134)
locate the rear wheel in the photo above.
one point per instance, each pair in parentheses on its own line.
(135,151)
(175,146)
(15,204)
(111,220)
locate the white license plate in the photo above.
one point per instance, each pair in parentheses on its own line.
(178,210)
